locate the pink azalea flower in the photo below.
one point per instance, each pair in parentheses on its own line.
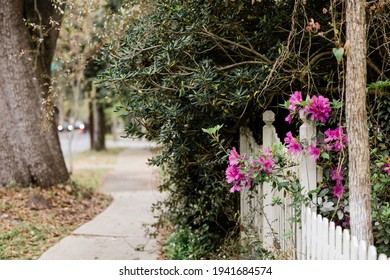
(338,190)
(386,166)
(234,157)
(266,164)
(337,135)
(294,148)
(319,108)
(337,174)
(266,151)
(288,118)
(233,174)
(235,188)
(314,151)
(292,144)
(295,98)
(289,138)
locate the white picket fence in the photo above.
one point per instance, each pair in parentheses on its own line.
(315,238)
(319,239)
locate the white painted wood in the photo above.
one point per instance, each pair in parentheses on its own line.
(308,234)
(245,203)
(308,167)
(362,254)
(372,254)
(313,255)
(346,245)
(303,246)
(354,248)
(339,241)
(332,241)
(270,220)
(325,239)
(319,241)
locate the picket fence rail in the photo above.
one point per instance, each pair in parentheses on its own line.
(314,238)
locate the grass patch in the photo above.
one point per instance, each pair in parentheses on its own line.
(91,167)
(94,158)
(27,240)
(90,179)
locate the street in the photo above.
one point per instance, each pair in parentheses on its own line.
(80,142)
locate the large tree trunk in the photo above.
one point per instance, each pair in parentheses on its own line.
(356,118)
(28,155)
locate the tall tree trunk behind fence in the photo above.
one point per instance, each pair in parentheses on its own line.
(356,118)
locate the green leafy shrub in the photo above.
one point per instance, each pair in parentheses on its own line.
(175,76)
(187,244)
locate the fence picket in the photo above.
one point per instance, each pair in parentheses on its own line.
(354,248)
(303,246)
(372,254)
(339,240)
(319,237)
(362,255)
(346,245)
(325,239)
(308,234)
(332,241)
(313,255)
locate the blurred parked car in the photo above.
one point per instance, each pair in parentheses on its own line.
(78,126)
(65,127)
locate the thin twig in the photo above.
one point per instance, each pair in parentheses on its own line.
(208,33)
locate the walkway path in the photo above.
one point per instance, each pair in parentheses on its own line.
(118,232)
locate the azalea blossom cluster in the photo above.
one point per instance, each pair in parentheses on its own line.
(245,171)
(317,109)
(337,176)
(242,169)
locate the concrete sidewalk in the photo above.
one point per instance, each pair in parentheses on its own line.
(120,231)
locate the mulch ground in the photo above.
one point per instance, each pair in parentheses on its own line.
(34,219)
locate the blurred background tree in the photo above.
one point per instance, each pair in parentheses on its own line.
(86,27)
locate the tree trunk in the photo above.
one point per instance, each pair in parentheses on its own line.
(28,155)
(356,118)
(97,122)
(100,128)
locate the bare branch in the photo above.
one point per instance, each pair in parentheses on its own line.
(251,50)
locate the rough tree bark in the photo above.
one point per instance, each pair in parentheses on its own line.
(28,155)
(99,142)
(356,119)
(97,122)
